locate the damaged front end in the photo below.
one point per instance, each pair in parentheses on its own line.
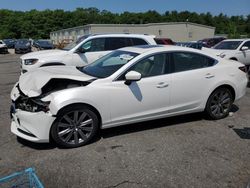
(32,100)
(29,104)
(36,104)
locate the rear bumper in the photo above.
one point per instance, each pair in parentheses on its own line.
(241,88)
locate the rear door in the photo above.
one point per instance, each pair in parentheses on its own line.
(192,76)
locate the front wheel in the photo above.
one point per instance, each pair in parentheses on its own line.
(219,103)
(75,126)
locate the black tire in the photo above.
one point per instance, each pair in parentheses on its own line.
(219,103)
(76,130)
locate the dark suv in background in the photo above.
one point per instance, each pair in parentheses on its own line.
(23,46)
(210,42)
(43,44)
(10,42)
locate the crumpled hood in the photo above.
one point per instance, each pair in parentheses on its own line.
(45,54)
(32,82)
(216,52)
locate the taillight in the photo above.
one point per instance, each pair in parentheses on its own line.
(243,68)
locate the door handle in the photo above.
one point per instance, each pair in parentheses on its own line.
(209,75)
(162,85)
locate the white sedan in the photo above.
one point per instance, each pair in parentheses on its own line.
(234,49)
(134,84)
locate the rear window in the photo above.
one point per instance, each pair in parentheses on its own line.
(137,42)
(117,42)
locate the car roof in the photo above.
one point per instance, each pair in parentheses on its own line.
(121,35)
(159,48)
(237,39)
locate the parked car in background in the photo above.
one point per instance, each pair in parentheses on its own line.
(84,51)
(3,47)
(164,41)
(22,46)
(233,49)
(43,44)
(10,43)
(192,44)
(128,85)
(209,42)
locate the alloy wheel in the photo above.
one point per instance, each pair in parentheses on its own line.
(220,103)
(75,127)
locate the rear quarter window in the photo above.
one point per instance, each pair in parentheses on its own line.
(137,41)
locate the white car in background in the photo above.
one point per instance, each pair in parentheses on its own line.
(233,49)
(84,51)
(70,104)
(3,47)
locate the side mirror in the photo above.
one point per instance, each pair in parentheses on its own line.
(132,76)
(244,48)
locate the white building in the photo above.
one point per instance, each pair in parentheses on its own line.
(177,31)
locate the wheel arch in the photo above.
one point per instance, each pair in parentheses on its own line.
(231,88)
(82,104)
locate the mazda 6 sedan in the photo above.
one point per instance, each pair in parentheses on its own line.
(133,84)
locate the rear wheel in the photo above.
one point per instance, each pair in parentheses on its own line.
(75,126)
(219,103)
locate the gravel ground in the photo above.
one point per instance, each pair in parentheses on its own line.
(183,151)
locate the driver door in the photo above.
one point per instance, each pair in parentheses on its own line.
(144,99)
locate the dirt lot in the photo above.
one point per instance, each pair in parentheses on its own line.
(185,151)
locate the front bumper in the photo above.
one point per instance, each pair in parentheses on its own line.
(32,126)
(22,50)
(4,50)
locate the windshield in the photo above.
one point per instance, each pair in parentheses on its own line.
(109,64)
(75,43)
(23,42)
(228,45)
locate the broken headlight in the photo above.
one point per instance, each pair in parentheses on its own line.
(31,104)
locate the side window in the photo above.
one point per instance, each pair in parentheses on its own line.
(247,44)
(116,43)
(184,61)
(94,45)
(137,41)
(152,66)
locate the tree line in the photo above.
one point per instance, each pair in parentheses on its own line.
(38,24)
